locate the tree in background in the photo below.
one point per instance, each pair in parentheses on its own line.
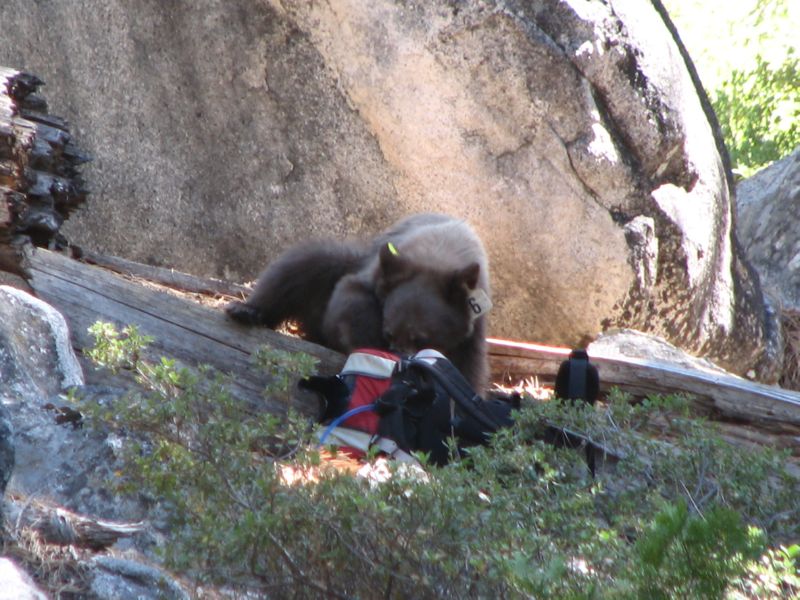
(752,73)
(759,113)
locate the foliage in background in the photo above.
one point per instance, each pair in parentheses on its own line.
(746,54)
(688,518)
(759,113)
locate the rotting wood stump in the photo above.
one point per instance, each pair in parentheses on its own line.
(40,184)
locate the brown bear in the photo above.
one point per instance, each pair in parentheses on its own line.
(423,283)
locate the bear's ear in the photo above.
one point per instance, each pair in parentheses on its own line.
(468,276)
(461,282)
(393,269)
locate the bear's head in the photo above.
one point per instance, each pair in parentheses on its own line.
(424,307)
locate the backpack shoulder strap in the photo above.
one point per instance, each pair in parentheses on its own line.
(459,389)
(577,377)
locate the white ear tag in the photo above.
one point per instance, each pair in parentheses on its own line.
(479,303)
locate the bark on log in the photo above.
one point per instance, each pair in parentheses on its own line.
(39,180)
(168,277)
(749,412)
(182,329)
(732,396)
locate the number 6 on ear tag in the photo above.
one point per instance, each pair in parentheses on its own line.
(478,302)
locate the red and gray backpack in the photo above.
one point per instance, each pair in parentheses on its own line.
(400,405)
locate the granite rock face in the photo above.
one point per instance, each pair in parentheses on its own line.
(572,135)
(35,349)
(120,579)
(7,452)
(769,227)
(217,133)
(59,462)
(16,584)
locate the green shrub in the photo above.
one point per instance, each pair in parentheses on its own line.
(759,113)
(517,519)
(703,553)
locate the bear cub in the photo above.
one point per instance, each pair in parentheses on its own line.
(412,287)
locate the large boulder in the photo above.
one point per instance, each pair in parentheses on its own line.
(571,134)
(575,137)
(16,584)
(36,355)
(769,227)
(37,365)
(217,133)
(123,579)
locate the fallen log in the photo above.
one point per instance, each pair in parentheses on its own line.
(195,334)
(732,396)
(167,277)
(185,330)
(748,412)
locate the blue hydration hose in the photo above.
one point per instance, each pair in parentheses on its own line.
(355,411)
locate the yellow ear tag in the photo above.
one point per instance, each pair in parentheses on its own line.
(392,249)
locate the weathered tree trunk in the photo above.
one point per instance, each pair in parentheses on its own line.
(39,180)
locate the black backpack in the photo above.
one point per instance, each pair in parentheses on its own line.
(405,404)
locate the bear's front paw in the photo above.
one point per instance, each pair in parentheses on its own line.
(243,313)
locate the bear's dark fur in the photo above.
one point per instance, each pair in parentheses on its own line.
(406,290)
